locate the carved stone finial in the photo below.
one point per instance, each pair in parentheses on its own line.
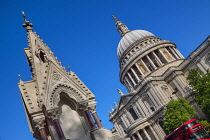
(69,68)
(115,104)
(109,113)
(19,78)
(112,108)
(120,92)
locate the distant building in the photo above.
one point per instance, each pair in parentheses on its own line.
(57,103)
(154,72)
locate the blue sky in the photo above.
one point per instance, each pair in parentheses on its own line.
(82,34)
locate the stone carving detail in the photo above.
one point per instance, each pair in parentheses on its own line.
(39,123)
(61,88)
(92,106)
(83,105)
(56,78)
(53,113)
(125,101)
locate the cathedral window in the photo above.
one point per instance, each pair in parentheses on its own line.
(42,56)
(152,109)
(133,113)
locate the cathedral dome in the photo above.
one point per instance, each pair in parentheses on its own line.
(129,38)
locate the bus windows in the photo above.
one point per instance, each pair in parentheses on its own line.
(192,124)
(200,134)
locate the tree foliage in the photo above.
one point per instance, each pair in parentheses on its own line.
(176,113)
(206,125)
(200,84)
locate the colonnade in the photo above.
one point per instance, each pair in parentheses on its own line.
(53,115)
(149,63)
(143,134)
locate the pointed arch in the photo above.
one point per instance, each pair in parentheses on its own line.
(64,91)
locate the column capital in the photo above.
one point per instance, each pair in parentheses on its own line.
(83,105)
(53,113)
(39,123)
(92,106)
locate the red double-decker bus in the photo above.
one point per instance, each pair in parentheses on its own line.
(190,130)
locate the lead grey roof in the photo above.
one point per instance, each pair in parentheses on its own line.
(129,38)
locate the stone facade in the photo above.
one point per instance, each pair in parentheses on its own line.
(154,72)
(57,103)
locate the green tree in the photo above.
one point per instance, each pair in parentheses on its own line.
(176,113)
(200,84)
(206,125)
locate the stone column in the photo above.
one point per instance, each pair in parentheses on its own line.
(129,76)
(145,65)
(153,132)
(170,48)
(139,136)
(169,54)
(145,132)
(163,55)
(98,122)
(137,77)
(53,114)
(153,65)
(40,124)
(133,137)
(129,83)
(117,128)
(161,136)
(89,118)
(157,58)
(178,52)
(139,69)
(140,109)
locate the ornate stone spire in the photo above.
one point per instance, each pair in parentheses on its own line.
(121,28)
(27,24)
